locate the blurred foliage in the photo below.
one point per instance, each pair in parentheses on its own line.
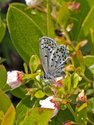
(68,22)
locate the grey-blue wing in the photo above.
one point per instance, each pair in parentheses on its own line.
(58,58)
(47,45)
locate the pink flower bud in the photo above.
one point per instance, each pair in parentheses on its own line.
(14,78)
(81,97)
(73,6)
(68,123)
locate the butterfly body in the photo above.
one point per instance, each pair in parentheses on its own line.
(53,58)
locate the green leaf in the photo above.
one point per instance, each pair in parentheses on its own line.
(81,60)
(82,115)
(2,60)
(87,24)
(3,1)
(92,40)
(9,117)
(67,84)
(34,63)
(91,68)
(89,60)
(60,2)
(25,33)
(39,94)
(89,92)
(19,92)
(3,76)
(90,118)
(38,116)
(62,117)
(81,17)
(23,106)
(25,68)
(90,107)
(63,15)
(75,80)
(2,30)
(37,16)
(4,102)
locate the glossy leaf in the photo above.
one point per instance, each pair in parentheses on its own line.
(2,30)
(34,63)
(80,19)
(90,118)
(81,60)
(3,76)
(38,116)
(62,117)
(81,117)
(92,40)
(4,101)
(19,92)
(90,108)
(39,94)
(75,80)
(85,29)
(89,60)
(67,83)
(2,60)
(25,33)
(9,117)
(63,15)
(37,16)
(23,107)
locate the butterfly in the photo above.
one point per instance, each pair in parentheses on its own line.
(53,58)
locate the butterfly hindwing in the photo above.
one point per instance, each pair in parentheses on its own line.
(58,57)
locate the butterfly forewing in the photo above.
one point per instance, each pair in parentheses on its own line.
(47,45)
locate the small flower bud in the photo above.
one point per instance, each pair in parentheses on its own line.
(81,97)
(73,6)
(33,2)
(68,123)
(14,78)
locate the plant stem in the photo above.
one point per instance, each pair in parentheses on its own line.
(67,37)
(48,17)
(50,27)
(90,121)
(29,76)
(72,111)
(88,80)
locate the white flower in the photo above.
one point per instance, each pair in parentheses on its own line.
(47,103)
(14,78)
(33,2)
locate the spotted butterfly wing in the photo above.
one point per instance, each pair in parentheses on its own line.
(57,61)
(47,45)
(53,57)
